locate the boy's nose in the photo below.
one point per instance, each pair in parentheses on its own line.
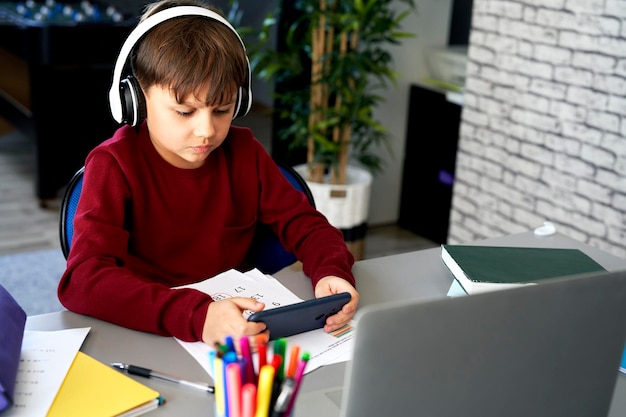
(205,126)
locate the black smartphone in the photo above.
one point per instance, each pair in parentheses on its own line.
(300,317)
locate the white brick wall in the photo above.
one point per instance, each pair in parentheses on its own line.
(543,131)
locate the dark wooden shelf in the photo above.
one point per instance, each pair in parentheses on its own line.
(55,89)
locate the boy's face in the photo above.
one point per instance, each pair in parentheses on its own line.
(185,134)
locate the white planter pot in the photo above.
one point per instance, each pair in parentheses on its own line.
(345,206)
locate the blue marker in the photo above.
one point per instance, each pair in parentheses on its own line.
(231,344)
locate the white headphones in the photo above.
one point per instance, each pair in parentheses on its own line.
(125,96)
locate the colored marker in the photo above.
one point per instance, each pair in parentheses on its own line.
(233,386)
(246,355)
(230,343)
(280,348)
(298,381)
(212,356)
(262,351)
(229,357)
(293,361)
(220,388)
(277,382)
(277,360)
(264,390)
(248,399)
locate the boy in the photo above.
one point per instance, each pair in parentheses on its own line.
(175,196)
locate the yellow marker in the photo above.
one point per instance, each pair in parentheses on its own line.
(220,387)
(264,390)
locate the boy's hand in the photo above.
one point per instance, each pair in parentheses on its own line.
(225,318)
(334,285)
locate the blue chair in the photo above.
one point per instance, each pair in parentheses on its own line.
(267,253)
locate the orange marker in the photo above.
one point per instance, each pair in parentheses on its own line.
(293,361)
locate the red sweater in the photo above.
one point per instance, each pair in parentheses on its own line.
(143,226)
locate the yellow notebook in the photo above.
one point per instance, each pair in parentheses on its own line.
(94,389)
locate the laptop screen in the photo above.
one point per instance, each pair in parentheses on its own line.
(551,349)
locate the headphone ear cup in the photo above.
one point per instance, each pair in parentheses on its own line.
(244,97)
(242,103)
(133,102)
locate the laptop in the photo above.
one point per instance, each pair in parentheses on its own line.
(551,349)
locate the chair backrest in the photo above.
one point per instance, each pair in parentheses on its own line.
(68,209)
(267,253)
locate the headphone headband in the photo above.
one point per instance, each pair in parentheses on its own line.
(115,98)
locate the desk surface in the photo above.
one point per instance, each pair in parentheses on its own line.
(415,275)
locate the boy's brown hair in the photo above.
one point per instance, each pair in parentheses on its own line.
(188,52)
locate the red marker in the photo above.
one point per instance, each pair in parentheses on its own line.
(277,360)
(262,350)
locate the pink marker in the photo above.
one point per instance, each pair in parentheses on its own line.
(233,387)
(248,372)
(298,378)
(248,400)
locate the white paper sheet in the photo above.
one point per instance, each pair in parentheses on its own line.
(323,348)
(252,284)
(45,360)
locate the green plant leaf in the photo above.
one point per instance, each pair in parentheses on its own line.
(351,79)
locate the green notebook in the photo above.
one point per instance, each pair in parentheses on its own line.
(487,268)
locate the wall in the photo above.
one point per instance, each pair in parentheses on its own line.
(430,24)
(543,133)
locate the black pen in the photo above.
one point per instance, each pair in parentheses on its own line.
(149,373)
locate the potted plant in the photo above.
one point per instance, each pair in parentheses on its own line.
(332,63)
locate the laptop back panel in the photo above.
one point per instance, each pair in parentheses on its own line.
(542,350)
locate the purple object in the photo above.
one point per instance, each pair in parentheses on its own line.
(12,323)
(446,177)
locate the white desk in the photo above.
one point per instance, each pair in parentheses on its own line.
(414,275)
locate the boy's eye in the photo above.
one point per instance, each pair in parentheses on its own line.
(222,110)
(184,113)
